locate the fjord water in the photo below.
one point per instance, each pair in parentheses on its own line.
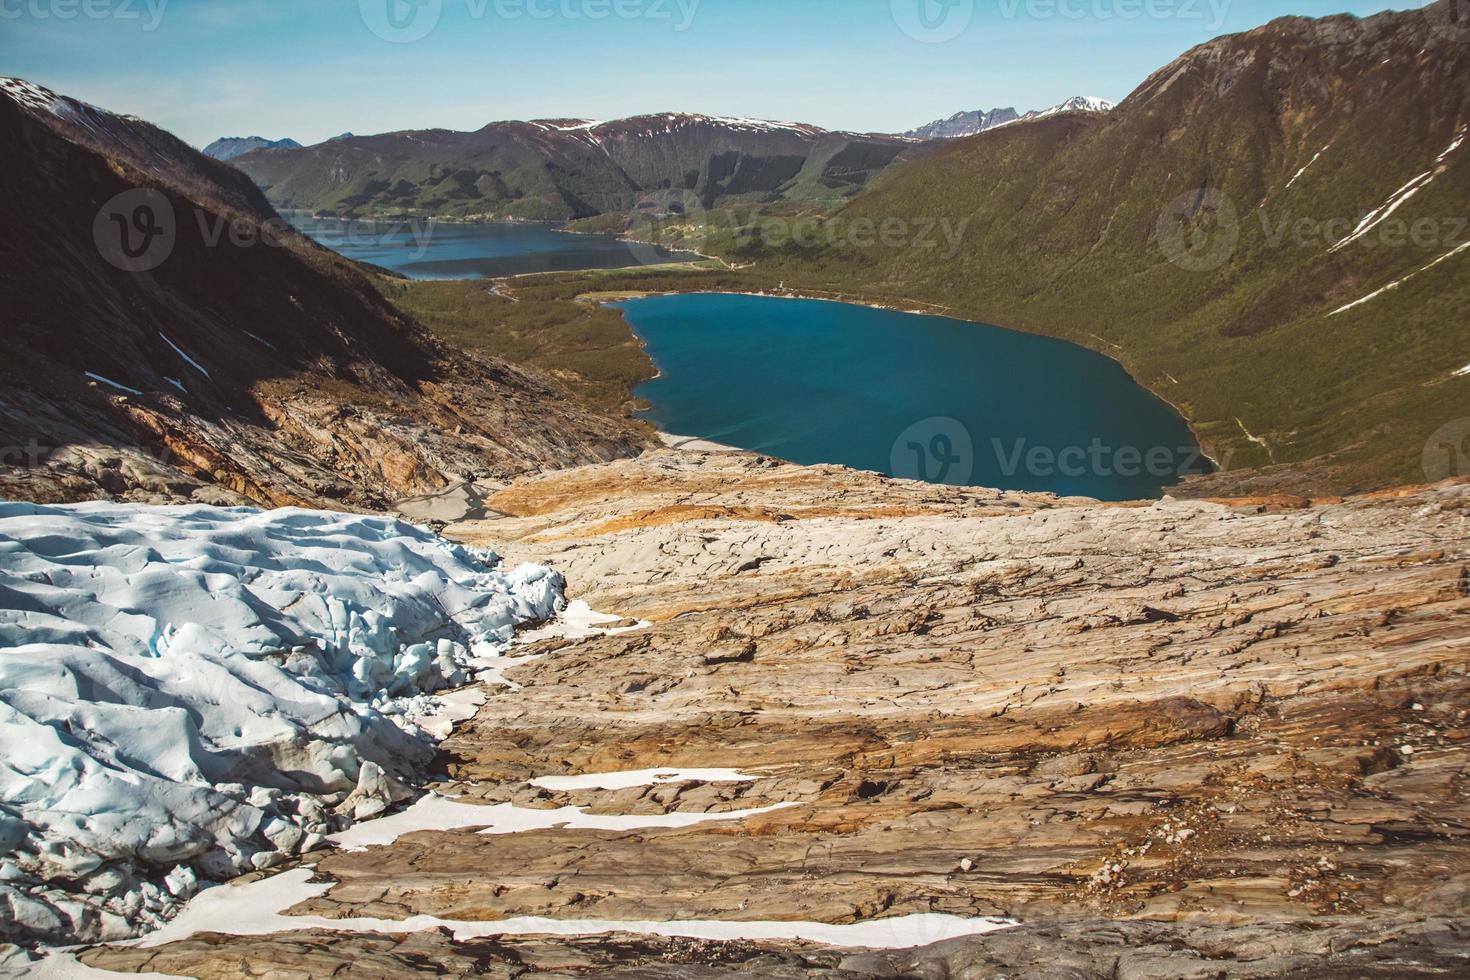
(427,249)
(914,396)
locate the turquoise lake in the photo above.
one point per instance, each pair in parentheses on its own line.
(424,249)
(912,396)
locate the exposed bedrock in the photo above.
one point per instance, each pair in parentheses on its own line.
(1172,739)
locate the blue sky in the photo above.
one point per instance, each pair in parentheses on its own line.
(311,69)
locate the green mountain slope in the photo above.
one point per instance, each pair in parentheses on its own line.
(1204,234)
(567,168)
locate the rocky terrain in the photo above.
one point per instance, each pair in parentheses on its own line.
(1177,739)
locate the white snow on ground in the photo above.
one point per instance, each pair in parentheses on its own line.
(180,351)
(255,909)
(194,692)
(33,96)
(641,777)
(434,812)
(1294,176)
(1462,372)
(578,621)
(63,965)
(1400,196)
(112,384)
(1399,282)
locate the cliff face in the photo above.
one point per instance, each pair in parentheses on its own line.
(169,337)
(1181,739)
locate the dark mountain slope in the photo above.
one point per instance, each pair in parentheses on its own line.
(1202,233)
(569,168)
(226,351)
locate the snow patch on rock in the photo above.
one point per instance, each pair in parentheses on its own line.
(258,907)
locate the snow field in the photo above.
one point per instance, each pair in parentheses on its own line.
(189,693)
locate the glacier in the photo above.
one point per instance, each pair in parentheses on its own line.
(190,693)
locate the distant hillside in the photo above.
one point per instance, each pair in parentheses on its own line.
(169,337)
(572,168)
(980,120)
(1271,231)
(964,124)
(229,147)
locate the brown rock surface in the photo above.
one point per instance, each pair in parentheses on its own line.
(1178,739)
(1063,949)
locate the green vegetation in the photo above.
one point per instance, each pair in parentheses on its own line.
(1190,234)
(1232,304)
(586,345)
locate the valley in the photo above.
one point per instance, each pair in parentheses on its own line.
(696,546)
(1198,233)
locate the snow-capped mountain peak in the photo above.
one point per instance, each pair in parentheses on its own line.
(980,120)
(1078,103)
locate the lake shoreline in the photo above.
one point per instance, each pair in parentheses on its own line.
(934,310)
(1045,414)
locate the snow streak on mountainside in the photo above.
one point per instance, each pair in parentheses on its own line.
(191,693)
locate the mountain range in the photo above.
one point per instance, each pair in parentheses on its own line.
(171,338)
(1269,232)
(979,120)
(229,147)
(558,169)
